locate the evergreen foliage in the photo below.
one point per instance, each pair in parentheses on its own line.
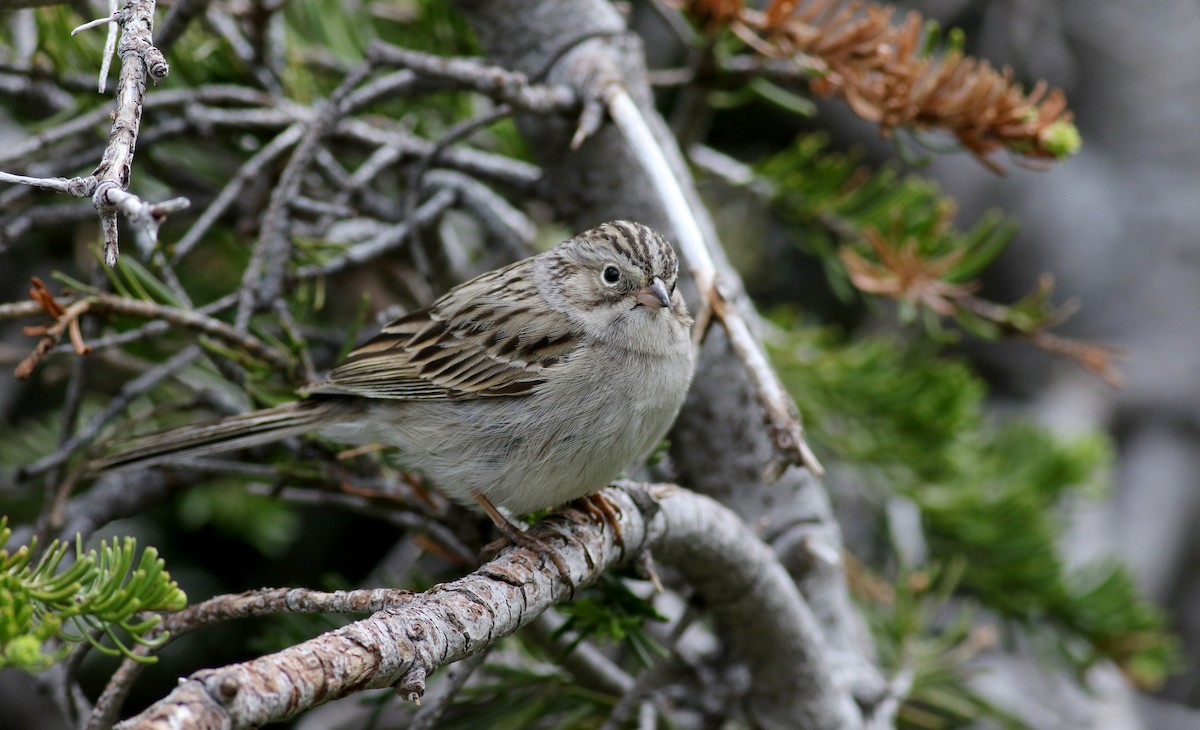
(912,422)
(46,606)
(611,612)
(833,200)
(512,697)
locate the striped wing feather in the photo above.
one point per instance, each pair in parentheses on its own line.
(482,339)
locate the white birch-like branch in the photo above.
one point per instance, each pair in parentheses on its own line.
(739,577)
(779,410)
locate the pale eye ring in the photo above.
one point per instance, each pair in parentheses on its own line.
(611,275)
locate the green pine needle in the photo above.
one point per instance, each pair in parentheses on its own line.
(45,609)
(915,424)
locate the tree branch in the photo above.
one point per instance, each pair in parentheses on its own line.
(139,58)
(105,303)
(399,647)
(108,184)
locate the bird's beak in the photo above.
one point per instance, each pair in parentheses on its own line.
(654,295)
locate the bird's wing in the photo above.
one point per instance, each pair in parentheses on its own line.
(492,336)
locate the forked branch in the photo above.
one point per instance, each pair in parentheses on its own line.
(107,185)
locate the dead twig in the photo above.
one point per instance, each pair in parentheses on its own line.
(66,320)
(108,184)
(386,240)
(508,87)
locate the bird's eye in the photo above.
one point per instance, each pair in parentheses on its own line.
(611,275)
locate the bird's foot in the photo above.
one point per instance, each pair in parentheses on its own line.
(605,512)
(516,536)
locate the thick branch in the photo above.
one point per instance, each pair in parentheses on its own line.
(733,571)
(760,611)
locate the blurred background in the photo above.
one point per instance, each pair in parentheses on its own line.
(1119,227)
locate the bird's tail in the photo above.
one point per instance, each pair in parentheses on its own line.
(226,434)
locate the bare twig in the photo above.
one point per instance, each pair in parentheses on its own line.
(151,329)
(458,131)
(80,187)
(219,609)
(105,20)
(501,218)
(249,171)
(107,185)
(385,241)
(500,84)
(210,94)
(513,174)
(389,86)
(146,216)
(263,279)
(104,303)
(110,44)
(17,310)
(270,601)
(249,344)
(139,59)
